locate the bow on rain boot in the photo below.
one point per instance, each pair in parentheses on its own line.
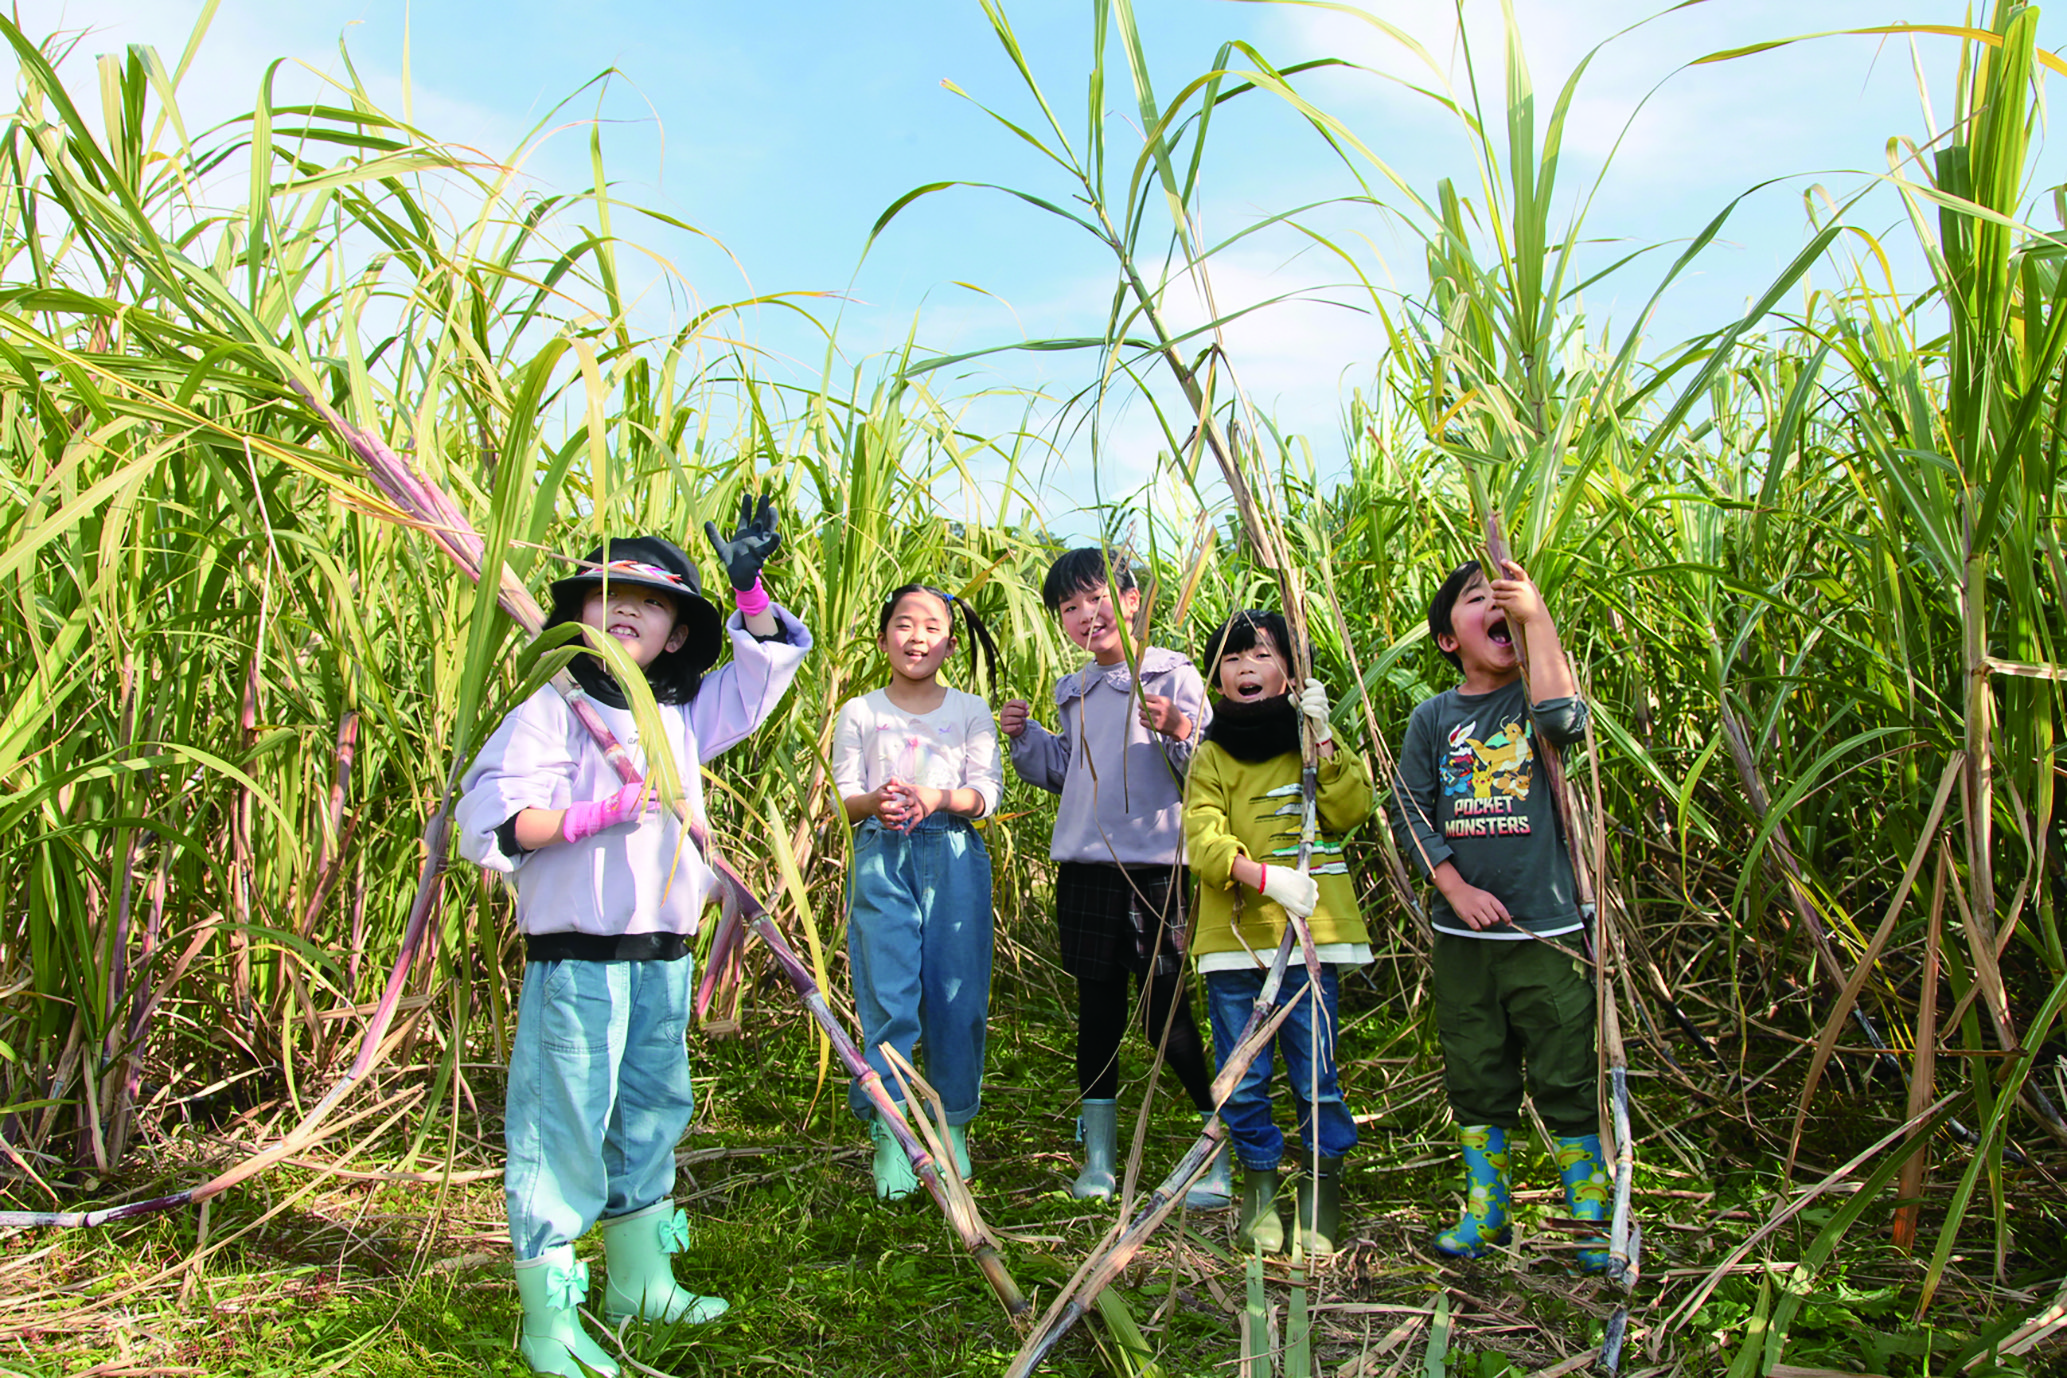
(1587,1188)
(1484,1222)
(1099,1128)
(1215,1190)
(551,1286)
(892,1170)
(637,1248)
(1320,1207)
(1260,1228)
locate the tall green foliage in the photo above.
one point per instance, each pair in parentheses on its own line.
(1809,563)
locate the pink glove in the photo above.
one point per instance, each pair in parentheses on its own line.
(751,602)
(591,816)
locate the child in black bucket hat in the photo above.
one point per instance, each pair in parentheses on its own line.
(609,899)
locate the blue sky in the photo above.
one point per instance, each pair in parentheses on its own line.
(784,128)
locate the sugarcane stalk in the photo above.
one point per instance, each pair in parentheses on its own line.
(1076,1299)
(429,883)
(1624,1233)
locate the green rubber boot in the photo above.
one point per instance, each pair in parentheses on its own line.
(1260,1228)
(892,1170)
(1320,1207)
(1099,1128)
(958,1141)
(551,1287)
(1588,1186)
(1215,1190)
(1486,1194)
(638,1249)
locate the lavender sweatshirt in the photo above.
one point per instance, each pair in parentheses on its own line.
(1122,786)
(638,877)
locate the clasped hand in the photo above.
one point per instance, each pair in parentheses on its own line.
(903,806)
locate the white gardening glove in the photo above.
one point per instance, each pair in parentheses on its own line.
(1297,891)
(1313,702)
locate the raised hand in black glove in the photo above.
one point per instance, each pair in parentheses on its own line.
(752,543)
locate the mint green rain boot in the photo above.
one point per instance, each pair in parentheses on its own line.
(1588,1187)
(638,1248)
(1320,1207)
(892,1170)
(1099,1128)
(1215,1190)
(1486,1194)
(1260,1228)
(958,1143)
(551,1287)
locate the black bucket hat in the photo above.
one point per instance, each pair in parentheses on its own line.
(649,562)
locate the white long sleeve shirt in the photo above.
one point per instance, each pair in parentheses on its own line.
(953,747)
(644,875)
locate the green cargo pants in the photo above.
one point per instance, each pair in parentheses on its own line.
(1503,1006)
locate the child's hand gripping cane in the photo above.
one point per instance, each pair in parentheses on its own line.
(592,816)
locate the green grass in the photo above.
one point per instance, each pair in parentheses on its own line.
(395,1279)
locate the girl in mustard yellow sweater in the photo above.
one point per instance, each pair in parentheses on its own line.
(1241,827)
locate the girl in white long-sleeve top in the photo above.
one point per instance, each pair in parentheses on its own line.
(914,762)
(609,895)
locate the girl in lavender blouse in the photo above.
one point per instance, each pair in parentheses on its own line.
(914,761)
(608,899)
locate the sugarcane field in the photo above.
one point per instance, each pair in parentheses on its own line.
(1149,687)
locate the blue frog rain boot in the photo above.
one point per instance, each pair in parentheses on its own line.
(892,1170)
(638,1248)
(1588,1187)
(1486,1194)
(551,1287)
(1099,1128)
(1215,1190)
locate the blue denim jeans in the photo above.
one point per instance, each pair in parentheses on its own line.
(598,1097)
(1231,995)
(919,947)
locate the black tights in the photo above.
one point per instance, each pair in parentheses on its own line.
(1102,1023)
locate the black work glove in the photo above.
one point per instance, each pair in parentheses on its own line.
(752,543)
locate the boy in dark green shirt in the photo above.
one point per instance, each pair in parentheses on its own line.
(1512,994)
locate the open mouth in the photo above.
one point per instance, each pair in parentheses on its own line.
(1497,633)
(624,631)
(1248,690)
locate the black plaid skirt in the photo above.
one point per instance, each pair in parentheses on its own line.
(1118,919)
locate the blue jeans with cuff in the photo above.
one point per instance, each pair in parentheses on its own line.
(919,947)
(1231,995)
(599,1095)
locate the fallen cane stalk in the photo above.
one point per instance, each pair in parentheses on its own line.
(957,1200)
(1100,1270)
(1105,1264)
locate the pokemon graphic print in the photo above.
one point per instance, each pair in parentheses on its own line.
(1487,780)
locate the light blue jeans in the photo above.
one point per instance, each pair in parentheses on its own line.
(1231,996)
(919,947)
(598,1097)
